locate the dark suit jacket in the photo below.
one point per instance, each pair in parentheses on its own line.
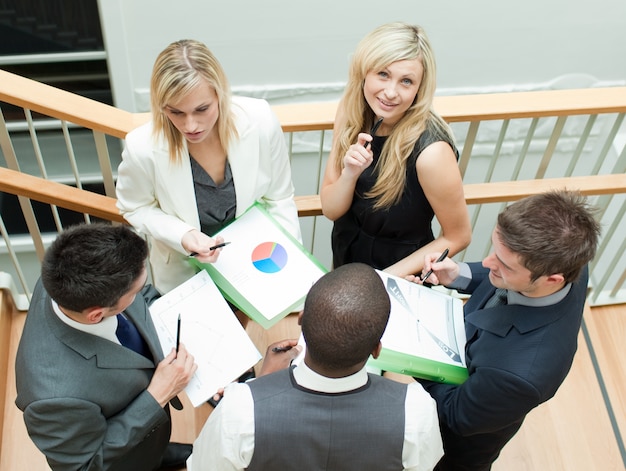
(84,397)
(517,358)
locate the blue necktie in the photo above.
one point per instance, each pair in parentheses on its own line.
(129,336)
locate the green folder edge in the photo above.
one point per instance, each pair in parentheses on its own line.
(390,360)
(233,295)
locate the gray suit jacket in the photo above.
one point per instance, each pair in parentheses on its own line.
(84,398)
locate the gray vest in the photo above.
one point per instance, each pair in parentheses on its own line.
(299,429)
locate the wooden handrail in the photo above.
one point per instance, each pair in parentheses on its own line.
(500,192)
(64,196)
(489,106)
(83,201)
(60,104)
(482,107)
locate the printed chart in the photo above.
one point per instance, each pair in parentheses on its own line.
(269,257)
(425,335)
(209,330)
(264,271)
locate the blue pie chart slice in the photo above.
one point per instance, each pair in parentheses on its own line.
(269,257)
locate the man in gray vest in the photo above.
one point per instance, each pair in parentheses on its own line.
(327,413)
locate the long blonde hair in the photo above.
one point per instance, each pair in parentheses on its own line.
(386,44)
(178,69)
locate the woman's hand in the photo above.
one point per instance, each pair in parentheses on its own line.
(358,157)
(199,245)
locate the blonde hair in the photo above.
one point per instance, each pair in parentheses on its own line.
(383,46)
(178,69)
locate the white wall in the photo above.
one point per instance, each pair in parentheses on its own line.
(299,50)
(293,50)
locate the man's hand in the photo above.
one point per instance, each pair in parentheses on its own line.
(172,375)
(279,355)
(443,273)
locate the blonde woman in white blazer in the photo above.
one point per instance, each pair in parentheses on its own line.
(236,141)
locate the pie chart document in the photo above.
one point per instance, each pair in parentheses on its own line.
(264,270)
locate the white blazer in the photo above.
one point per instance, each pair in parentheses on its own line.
(157,197)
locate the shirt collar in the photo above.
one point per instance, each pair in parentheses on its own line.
(516,314)
(309,379)
(105,328)
(513,297)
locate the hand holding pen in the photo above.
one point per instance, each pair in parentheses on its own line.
(214,247)
(358,157)
(279,355)
(373,130)
(198,244)
(441,258)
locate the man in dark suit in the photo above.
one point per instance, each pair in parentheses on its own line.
(89,402)
(522,322)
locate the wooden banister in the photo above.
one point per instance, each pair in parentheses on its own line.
(498,192)
(60,104)
(67,106)
(97,205)
(64,196)
(483,107)
(489,106)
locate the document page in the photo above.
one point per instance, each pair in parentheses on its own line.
(210,332)
(263,270)
(424,322)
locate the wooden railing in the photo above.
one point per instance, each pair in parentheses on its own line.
(74,199)
(512,145)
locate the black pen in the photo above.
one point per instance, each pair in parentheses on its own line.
(440,259)
(373,130)
(218,246)
(281,349)
(178,334)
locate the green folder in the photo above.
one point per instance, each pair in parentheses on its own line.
(264,271)
(425,335)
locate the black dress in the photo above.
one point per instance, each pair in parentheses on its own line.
(381,237)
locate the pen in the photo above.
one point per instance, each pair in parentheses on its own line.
(178,334)
(440,259)
(281,349)
(373,130)
(218,246)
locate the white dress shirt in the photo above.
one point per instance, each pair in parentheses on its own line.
(105,328)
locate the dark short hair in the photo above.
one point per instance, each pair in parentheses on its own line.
(345,314)
(93,265)
(552,232)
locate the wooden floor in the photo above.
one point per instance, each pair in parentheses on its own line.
(582,428)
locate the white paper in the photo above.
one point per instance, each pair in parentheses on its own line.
(424,322)
(210,332)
